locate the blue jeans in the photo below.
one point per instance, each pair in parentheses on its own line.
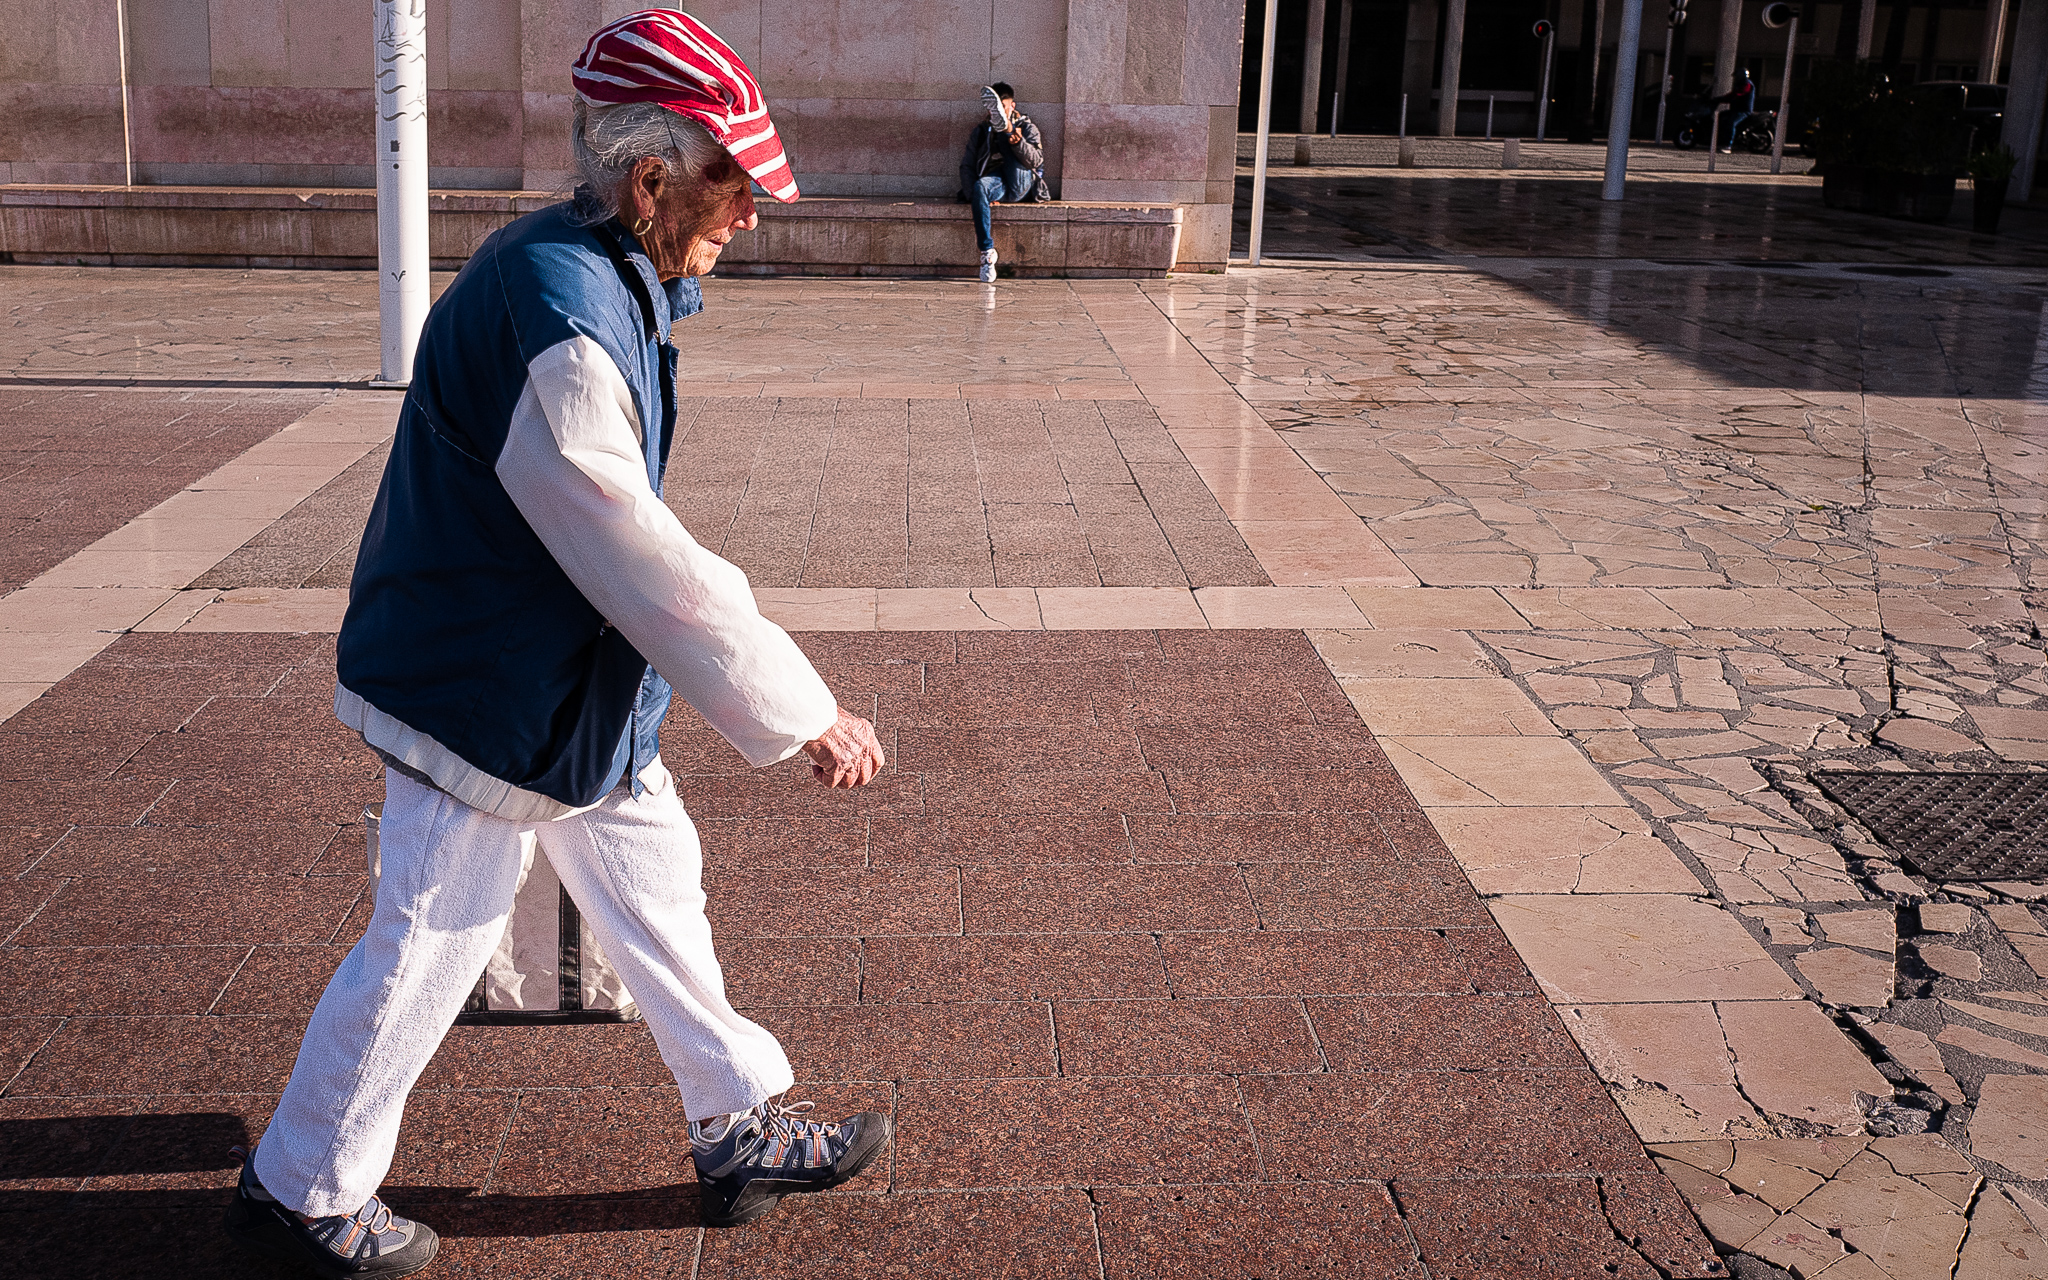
(1735,119)
(1011,187)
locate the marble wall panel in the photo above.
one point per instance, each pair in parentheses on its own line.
(1108,244)
(1222,144)
(1140,191)
(1205,237)
(876,48)
(1028,48)
(47,230)
(60,123)
(331,46)
(257,233)
(79,49)
(169,43)
(237,125)
(1212,55)
(737,22)
(544,138)
(469,129)
(250,44)
(1154,42)
(1108,141)
(551,34)
(473,44)
(1096,33)
(879,136)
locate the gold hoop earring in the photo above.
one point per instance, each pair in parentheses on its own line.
(641,227)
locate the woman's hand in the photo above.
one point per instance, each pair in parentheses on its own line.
(847,754)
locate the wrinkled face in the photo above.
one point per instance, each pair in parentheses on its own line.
(729,215)
(686,224)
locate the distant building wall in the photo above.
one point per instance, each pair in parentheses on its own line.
(1137,98)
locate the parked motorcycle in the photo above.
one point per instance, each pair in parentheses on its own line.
(1753,135)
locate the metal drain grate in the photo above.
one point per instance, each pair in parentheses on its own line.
(1953,826)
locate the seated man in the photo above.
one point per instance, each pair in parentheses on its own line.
(1741,102)
(1004,161)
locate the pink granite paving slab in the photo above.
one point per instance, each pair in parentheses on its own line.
(78,464)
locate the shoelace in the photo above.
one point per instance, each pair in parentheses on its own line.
(376,1223)
(784,1126)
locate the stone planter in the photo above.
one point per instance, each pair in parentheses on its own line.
(1988,201)
(1889,193)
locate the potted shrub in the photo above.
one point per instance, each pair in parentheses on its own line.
(1990,171)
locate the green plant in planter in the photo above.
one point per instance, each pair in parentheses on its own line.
(1993,165)
(1862,122)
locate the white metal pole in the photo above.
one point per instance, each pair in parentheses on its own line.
(1543,94)
(1621,112)
(1489,117)
(1664,82)
(402,294)
(1265,133)
(1401,131)
(127,134)
(1990,52)
(1784,96)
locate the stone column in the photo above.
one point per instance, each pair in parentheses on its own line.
(1993,46)
(1725,51)
(1311,79)
(1454,54)
(2024,97)
(1586,95)
(1418,62)
(1343,84)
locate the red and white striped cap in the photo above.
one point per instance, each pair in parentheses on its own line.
(671,59)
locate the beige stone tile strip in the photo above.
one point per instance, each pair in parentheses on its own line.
(1299,529)
(133,577)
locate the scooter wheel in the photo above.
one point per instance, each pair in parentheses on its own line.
(1685,140)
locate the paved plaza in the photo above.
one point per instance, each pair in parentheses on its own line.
(1353,728)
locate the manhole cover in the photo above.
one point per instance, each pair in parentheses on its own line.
(1904,273)
(1953,826)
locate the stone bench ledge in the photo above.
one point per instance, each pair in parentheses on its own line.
(335,227)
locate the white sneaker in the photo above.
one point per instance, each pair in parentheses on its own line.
(988,266)
(998,119)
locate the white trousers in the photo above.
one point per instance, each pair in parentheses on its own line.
(633,867)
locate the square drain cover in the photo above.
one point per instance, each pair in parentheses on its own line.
(1953,826)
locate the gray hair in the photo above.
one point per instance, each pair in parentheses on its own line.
(608,141)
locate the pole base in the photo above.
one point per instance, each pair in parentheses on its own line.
(379,384)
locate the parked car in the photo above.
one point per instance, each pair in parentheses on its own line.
(1981,107)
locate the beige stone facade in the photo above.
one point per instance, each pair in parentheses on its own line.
(1137,98)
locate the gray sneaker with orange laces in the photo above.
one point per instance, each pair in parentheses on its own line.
(372,1241)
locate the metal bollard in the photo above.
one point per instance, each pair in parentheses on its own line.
(1714,138)
(1402,132)
(1511,154)
(1407,160)
(1489,117)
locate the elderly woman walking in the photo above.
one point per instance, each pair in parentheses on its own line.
(522,608)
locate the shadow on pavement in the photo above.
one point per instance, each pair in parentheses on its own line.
(1754,284)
